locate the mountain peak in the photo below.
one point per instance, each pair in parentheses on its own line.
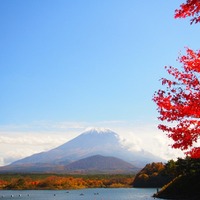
(98,130)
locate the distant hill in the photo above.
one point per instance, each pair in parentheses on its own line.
(102,142)
(102,164)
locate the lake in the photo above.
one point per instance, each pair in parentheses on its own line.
(84,194)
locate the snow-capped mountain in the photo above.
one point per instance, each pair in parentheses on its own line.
(92,142)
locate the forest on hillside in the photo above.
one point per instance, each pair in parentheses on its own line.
(159,174)
(178,179)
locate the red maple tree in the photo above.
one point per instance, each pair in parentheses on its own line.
(179,103)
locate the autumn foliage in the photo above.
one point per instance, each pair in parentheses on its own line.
(62,182)
(151,176)
(180,103)
(189,9)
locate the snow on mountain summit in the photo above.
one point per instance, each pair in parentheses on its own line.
(97,133)
(97,130)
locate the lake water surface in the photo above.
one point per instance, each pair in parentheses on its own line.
(85,194)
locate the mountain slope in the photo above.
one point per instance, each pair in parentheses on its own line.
(93,164)
(89,143)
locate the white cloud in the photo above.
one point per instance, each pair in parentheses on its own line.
(18,141)
(149,138)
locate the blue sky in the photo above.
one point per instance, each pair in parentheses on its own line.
(91,62)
